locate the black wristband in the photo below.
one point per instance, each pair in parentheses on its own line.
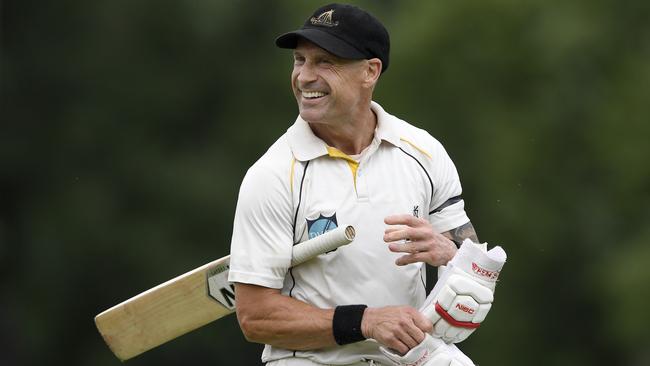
(347,324)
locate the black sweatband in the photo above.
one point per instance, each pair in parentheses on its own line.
(347,324)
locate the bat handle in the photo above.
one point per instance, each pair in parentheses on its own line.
(322,244)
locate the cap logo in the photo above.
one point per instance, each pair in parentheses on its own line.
(324,19)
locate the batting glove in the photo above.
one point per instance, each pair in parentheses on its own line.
(463,295)
(430,352)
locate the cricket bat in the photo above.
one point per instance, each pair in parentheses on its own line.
(189,301)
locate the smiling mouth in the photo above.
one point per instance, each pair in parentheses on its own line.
(312,94)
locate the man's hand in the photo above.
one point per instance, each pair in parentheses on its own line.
(396,327)
(415,236)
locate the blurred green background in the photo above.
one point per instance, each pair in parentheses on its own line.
(127,126)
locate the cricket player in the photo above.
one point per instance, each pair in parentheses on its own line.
(344,161)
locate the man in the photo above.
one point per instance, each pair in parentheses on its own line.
(344,161)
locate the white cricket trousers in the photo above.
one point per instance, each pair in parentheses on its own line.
(295,361)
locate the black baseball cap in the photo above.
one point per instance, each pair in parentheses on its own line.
(345,31)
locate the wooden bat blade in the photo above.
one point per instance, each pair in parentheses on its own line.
(189,301)
(161,314)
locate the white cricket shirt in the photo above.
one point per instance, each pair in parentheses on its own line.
(301,188)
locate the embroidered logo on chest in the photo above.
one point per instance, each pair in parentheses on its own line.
(321,225)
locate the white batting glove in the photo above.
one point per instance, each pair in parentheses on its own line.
(430,352)
(463,295)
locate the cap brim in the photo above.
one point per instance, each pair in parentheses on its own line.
(324,40)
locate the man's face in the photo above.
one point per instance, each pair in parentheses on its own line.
(328,89)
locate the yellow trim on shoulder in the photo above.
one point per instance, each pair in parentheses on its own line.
(416,147)
(291,173)
(353,164)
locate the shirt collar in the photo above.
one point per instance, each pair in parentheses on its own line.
(386,125)
(307,146)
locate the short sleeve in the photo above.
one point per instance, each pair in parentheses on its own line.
(262,238)
(447,209)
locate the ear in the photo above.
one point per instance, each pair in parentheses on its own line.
(373,71)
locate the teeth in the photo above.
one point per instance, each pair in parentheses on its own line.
(312,94)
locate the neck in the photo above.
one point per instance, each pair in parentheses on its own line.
(351,136)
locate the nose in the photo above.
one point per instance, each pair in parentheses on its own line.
(306,74)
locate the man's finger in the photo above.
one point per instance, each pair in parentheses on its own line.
(423,323)
(416,334)
(397,235)
(405,336)
(409,247)
(400,347)
(404,219)
(411,258)
(392,228)
(408,233)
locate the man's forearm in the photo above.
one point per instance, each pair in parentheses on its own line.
(461,233)
(266,316)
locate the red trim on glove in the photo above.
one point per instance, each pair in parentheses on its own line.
(456,323)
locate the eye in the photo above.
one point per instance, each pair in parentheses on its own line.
(298,60)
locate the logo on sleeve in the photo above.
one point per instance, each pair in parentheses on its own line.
(321,225)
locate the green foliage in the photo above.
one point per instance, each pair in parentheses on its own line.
(126,129)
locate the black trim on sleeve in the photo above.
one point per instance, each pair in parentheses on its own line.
(447,203)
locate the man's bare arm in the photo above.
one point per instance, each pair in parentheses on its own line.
(461,233)
(267,316)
